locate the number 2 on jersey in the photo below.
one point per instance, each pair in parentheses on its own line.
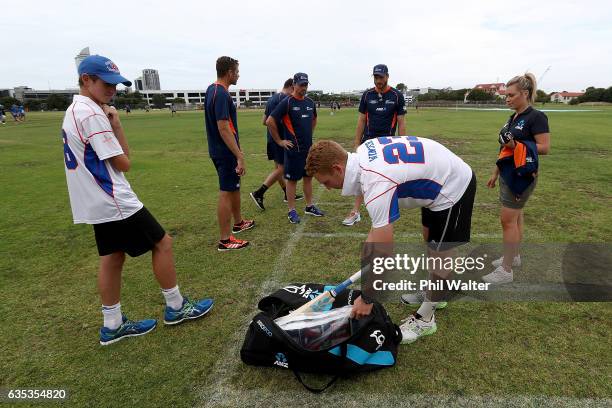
(395,153)
(69,158)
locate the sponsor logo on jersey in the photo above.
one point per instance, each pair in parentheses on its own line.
(388,102)
(296,108)
(380,109)
(372,155)
(520,125)
(373,101)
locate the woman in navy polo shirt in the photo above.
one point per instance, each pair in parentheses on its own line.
(526,124)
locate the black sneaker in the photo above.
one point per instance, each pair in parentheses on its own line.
(298,197)
(258,201)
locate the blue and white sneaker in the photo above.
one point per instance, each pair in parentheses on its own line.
(312,210)
(189,310)
(127,329)
(293,216)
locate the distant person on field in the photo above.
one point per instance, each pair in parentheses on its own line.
(274,151)
(2,115)
(173,109)
(225,152)
(15,112)
(524,136)
(96,155)
(381,113)
(128,109)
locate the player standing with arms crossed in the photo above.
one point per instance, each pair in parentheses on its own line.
(298,115)
(381,113)
(225,153)
(96,155)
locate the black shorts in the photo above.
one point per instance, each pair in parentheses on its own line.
(135,235)
(295,164)
(226,170)
(451,227)
(275,152)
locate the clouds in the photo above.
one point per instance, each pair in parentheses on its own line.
(435,43)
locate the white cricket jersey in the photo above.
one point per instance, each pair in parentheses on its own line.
(404,172)
(98,192)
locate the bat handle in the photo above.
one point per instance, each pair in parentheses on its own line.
(341,287)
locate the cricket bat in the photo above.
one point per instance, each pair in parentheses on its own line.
(319,303)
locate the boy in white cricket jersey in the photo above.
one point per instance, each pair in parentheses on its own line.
(96,155)
(404,172)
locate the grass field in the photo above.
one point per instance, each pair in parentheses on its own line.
(528,354)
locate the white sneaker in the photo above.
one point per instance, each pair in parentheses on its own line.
(499,276)
(516,262)
(413,328)
(417,298)
(351,219)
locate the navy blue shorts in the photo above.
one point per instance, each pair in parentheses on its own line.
(275,152)
(226,169)
(295,164)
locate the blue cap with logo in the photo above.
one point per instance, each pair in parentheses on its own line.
(380,69)
(300,78)
(104,69)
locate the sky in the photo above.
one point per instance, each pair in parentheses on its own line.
(434,43)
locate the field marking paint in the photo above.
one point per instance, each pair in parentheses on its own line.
(541,110)
(215,393)
(401,235)
(265,398)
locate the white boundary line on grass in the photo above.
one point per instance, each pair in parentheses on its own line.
(263,397)
(216,393)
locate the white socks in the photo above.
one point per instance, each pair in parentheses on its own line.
(112,316)
(173,297)
(426,311)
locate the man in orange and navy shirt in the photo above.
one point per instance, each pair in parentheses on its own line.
(224,150)
(381,114)
(298,115)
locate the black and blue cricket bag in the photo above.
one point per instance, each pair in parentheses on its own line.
(371,344)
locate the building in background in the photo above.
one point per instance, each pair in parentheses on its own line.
(24,93)
(241,97)
(138,84)
(150,80)
(564,97)
(497,89)
(81,56)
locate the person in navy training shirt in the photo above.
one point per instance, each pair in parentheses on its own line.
(381,113)
(526,124)
(298,116)
(226,154)
(274,151)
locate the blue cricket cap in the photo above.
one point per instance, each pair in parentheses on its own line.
(380,69)
(103,68)
(300,78)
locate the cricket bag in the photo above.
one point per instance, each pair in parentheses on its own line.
(324,342)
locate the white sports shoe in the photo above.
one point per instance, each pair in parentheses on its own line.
(413,328)
(417,298)
(499,276)
(352,219)
(516,262)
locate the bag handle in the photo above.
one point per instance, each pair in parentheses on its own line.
(315,390)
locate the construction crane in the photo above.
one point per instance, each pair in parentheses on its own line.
(542,76)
